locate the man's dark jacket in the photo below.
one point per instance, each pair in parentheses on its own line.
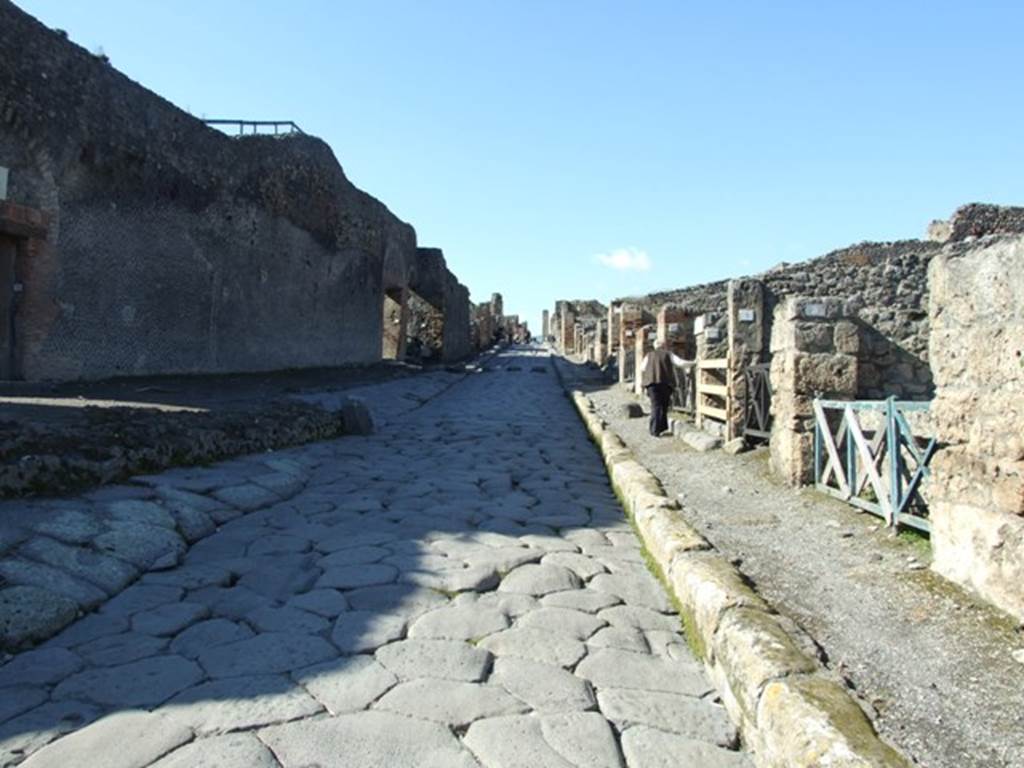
(659,368)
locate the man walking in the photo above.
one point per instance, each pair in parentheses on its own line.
(659,380)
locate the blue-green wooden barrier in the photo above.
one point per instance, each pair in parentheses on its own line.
(888,466)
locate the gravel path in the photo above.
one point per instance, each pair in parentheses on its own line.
(935,666)
(460,589)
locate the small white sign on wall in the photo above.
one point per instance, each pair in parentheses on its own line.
(674,327)
(698,324)
(712,334)
(746,315)
(814,310)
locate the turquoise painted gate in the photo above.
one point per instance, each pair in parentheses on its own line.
(867,454)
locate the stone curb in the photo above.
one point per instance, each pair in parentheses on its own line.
(790,712)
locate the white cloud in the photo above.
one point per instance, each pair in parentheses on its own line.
(625,260)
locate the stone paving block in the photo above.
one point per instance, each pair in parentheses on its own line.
(539,580)
(172,496)
(583,566)
(280,583)
(69,526)
(285,619)
(29,732)
(631,616)
(445,659)
(141,597)
(266,654)
(20,699)
(563,620)
(279,544)
(547,647)
(684,715)
(30,613)
(348,684)
(405,600)
(328,603)
(670,644)
(238,703)
(121,740)
(549,543)
(359,631)
(247,497)
(580,600)
(168,619)
(367,553)
(353,576)
(513,742)
(366,739)
(139,511)
(112,650)
(582,738)
(140,544)
(623,638)
(208,634)
(233,603)
(25,573)
(641,590)
(613,668)
(143,683)
(459,622)
(472,579)
(234,750)
(509,603)
(453,703)
(190,576)
(650,748)
(40,666)
(545,687)
(503,559)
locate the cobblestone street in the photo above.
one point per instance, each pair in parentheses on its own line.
(459,589)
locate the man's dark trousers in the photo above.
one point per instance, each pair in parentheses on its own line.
(660,395)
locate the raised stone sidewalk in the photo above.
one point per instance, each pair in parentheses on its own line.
(459,589)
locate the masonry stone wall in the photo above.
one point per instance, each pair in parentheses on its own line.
(172,247)
(976,491)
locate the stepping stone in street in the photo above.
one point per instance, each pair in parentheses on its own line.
(375,739)
(541,645)
(445,659)
(348,684)
(456,704)
(267,653)
(137,739)
(652,748)
(239,703)
(545,687)
(234,750)
(359,631)
(143,683)
(683,715)
(612,668)
(539,580)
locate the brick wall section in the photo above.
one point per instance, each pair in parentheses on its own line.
(976,491)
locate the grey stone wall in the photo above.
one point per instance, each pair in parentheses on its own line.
(976,490)
(172,247)
(978,220)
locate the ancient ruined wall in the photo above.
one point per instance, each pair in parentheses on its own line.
(886,288)
(171,247)
(976,491)
(976,220)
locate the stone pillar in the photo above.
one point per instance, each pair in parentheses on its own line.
(612,328)
(811,356)
(745,331)
(544,325)
(395,323)
(600,348)
(976,349)
(644,343)
(568,331)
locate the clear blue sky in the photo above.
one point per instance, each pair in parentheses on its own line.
(528,138)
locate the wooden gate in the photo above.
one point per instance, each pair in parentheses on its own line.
(713,391)
(757,407)
(866,453)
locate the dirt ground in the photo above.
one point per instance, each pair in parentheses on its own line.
(931,664)
(56,438)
